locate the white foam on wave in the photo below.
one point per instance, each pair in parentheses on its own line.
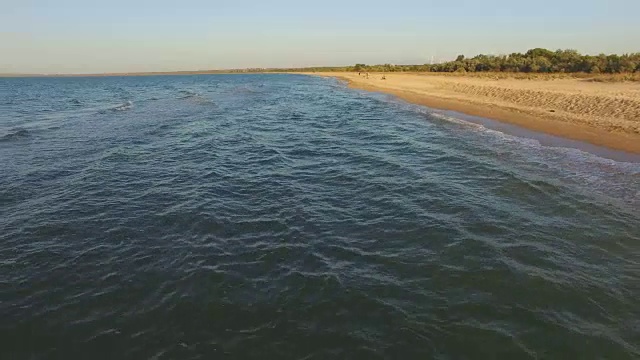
(614,177)
(502,137)
(188,94)
(125,106)
(454,120)
(561,154)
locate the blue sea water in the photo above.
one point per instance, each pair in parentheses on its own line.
(289,217)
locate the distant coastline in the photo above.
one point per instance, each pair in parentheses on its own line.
(538,61)
(595,99)
(150,73)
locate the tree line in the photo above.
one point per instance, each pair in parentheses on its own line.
(533,61)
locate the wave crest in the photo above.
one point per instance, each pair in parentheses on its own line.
(16,134)
(122,107)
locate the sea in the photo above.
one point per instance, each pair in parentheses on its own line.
(283,216)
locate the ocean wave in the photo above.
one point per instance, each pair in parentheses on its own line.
(348,224)
(244,90)
(520,135)
(16,134)
(188,92)
(194,97)
(607,174)
(122,107)
(454,120)
(609,179)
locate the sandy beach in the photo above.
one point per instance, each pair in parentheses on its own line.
(605,114)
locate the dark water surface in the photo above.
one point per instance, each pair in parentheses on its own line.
(288,217)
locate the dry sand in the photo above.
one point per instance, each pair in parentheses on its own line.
(605,114)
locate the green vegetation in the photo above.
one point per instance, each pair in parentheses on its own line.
(533,61)
(544,61)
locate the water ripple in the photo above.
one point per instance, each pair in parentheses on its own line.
(288,216)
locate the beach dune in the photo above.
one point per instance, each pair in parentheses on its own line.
(601,113)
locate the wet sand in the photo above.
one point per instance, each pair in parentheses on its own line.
(603,114)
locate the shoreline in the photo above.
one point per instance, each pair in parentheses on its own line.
(440,93)
(600,114)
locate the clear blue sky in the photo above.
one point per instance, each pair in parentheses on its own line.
(84,36)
